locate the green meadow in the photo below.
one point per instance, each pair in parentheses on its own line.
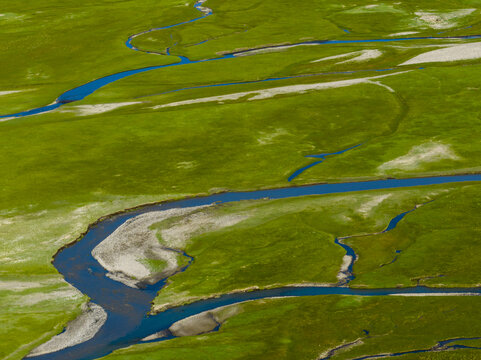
(292,242)
(307,328)
(129,144)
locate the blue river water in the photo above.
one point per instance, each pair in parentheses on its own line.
(349,272)
(128,321)
(440,346)
(82,91)
(320,156)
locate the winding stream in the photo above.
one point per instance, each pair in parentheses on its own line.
(82,91)
(127,308)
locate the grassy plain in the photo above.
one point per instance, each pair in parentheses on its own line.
(291,241)
(63,170)
(437,241)
(33,311)
(252,24)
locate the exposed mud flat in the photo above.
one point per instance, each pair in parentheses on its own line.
(124,252)
(204,322)
(437,20)
(196,223)
(419,155)
(452,53)
(355,56)
(81,329)
(283,90)
(85,110)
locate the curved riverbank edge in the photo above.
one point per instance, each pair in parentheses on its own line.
(132,307)
(205,195)
(406,291)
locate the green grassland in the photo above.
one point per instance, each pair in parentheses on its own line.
(34,311)
(437,242)
(63,170)
(292,242)
(245,24)
(305,328)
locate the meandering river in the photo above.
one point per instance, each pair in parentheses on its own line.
(128,320)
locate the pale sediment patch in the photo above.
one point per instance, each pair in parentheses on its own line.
(28,237)
(419,155)
(35,298)
(8,92)
(203,9)
(335,57)
(198,324)
(364,55)
(19,285)
(122,253)
(268,138)
(374,8)
(404,33)
(157,335)
(338,349)
(300,89)
(83,328)
(195,325)
(271,49)
(196,223)
(412,46)
(12,16)
(85,110)
(366,207)
(356,56)
(204,322)
(186,165)
(283,90)
(452,53)
(7,118)
(344,271)
(438,20)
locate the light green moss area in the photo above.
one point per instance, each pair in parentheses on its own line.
(154,265)
(305,328)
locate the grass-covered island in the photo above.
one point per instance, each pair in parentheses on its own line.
(110,105)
